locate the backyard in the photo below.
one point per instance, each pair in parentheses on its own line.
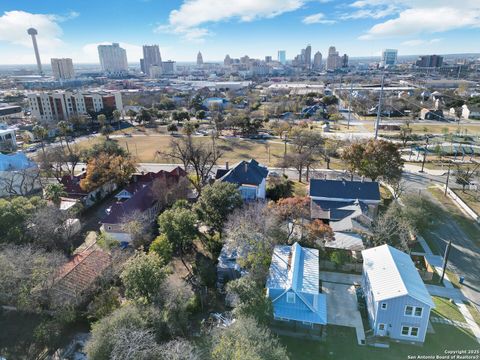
(342,344)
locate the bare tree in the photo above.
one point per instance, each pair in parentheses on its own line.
(167,193)
(20,183)
(137,225)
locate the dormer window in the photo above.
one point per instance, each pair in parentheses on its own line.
(290,297)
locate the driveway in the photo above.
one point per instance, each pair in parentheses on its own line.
(342,301)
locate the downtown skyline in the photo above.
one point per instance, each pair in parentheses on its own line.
(182,28)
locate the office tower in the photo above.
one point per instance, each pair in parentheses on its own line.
(282,57)
(308,57)
(62,69)
(429,61)
(227,61)
(333,59)
(199,59)
(389,58)
(317,61)
(33,33)
(151,58)
(51,107)
(344,61)
(142,66)
(168,67)
(268,59)
(113,59)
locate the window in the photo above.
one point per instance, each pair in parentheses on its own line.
(418,311)
(408,310)
(410,331)
(381,327)
(307,323)
(290,297)
(413,311)
(383,306)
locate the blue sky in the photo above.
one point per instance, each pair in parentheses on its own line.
(73,28)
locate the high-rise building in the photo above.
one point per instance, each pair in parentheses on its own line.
(51,107)
(333,60)
(168,67)
(308,57)
(151,58)
(345,60)
(113,59)
(389,57)
(62,69)
(199,59)
(317,61)
(227,61)
(429,61)
(33,33)
(268,59)
(282,57)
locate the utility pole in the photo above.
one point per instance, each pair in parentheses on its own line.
(349,105)
(448,178)
(445,259)
(379,110)
(424,155)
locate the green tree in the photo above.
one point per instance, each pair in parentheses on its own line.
(41,135)
(54,193)
(172,128)
(102,120)
(247,340)
(201,114)
(179,227)
(188,128)
(216,202)
(162,247)
(143,277)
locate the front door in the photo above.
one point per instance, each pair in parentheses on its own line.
(382,331)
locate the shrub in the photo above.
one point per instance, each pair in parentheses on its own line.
(162,247)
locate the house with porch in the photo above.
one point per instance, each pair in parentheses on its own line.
(293,286)
(249,176)
(398,303)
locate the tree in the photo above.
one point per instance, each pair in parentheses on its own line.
(27,274)
(14,214)
(144,116)
(104,336)
(40,134)
(178,349)
(195,155)
(188,128)
(162,247)
(54,193)
(104,168)
(330,100)
(106,130)
(307,146)
(216,202)
(201,115)
(293,211)
(318,234)
(143,277)
(279,187)
(102,120)
(240,341)
(394,228)
(117,115)
(405,134)
(172,128)
(137,225)
(249,299)
(131,114)
(465,175)
(374,159)
(179,227)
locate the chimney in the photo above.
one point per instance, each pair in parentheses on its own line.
(226,165)
(363,178)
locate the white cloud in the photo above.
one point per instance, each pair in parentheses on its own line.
(14,25)
(192,16)
(418,42)
(318,18)
(426,17)
(372,12)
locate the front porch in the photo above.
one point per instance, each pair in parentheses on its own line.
(299,330)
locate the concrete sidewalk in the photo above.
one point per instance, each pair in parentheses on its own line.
(446,292)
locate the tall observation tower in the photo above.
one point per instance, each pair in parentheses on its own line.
(33,33)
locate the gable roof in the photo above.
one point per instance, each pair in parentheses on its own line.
(392,274)
(343,189)
(294,268)
(14,162)
(246,173)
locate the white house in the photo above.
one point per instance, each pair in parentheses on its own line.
(398,303)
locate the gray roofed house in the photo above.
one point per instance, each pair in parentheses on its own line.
(250,177)
(343,190)
(398,303)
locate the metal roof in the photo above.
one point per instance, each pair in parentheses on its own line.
(343,189)
(392,274)
(295,268)
(246,173)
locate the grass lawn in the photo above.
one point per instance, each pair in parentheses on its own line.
(438,129)
(444,308)
(341,344)
(471,198)
(467,224)
(146,148)
(473,310)
(299,188)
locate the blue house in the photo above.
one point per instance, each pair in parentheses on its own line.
(398,303)
(293,287)
(249,176)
